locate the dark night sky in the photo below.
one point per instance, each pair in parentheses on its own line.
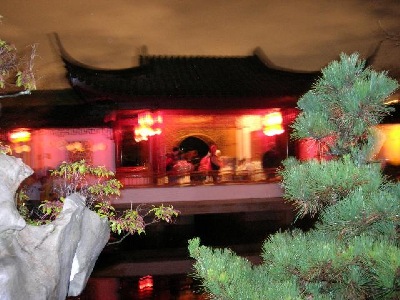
(295,34)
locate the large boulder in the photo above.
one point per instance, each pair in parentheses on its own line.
(49,261)
(12,172)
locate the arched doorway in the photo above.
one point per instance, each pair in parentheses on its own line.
(194,143)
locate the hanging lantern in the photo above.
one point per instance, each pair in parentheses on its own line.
(272,124)
(146,283)
(148,125)
(20,136)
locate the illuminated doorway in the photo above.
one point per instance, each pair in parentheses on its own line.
(194,143)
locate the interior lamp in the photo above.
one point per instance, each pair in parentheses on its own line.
(272,124)
(19,136)
(149,124)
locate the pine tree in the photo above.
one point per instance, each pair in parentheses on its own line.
(352,251)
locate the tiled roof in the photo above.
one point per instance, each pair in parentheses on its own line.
(189,77)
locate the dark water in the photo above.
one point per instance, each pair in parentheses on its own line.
(157,265)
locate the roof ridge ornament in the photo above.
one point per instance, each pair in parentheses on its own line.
(264,58)
(55,38)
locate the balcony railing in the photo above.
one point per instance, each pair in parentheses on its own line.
(142,177)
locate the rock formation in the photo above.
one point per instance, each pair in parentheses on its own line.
(49,261)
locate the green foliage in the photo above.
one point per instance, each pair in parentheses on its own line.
(20,199)
(228,276)
(163,213)
(326,267)
(345,103)
(352,252)
(5,149)
(16,71)
(364,212)
(130,221)
(133,220)
(325,183)
(50,210)
(98,186)
(95,183)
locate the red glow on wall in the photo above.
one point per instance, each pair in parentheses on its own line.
(146,283)
(315,149)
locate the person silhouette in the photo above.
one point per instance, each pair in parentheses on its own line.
(271,160)
(215,162)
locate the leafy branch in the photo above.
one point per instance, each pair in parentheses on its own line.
(99,187)
(16,72)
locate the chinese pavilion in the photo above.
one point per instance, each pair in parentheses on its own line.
(130,119)
(196,101)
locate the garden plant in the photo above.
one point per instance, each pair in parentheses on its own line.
(99,187)
(352,249)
